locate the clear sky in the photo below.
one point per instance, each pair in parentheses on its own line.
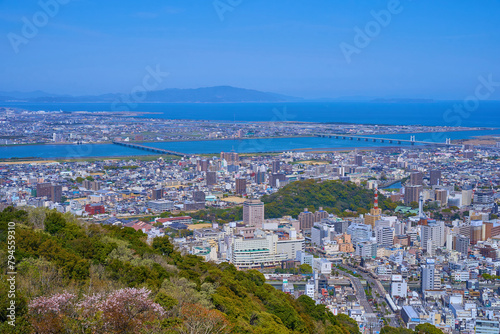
(424,48)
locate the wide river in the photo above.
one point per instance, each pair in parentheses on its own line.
(216,146)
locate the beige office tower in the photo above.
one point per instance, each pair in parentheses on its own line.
(466,197)
(253,212)
(442,196)
(241,186)
(320,214)
(306,219)
(428,194)
(476,232)
(232,158)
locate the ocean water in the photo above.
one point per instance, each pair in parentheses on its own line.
(487,113)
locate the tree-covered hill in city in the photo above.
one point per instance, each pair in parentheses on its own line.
(334,196)
(76,277)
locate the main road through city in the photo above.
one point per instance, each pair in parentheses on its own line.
(371,317)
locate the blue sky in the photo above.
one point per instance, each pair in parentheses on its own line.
(429,49)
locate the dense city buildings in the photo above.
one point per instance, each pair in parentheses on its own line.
(250,167)
(426,240)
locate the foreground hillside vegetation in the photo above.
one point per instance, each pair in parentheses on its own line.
(75,277)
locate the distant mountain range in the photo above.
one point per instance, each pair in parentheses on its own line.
(216,94)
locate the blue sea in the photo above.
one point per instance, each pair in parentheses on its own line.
(487,114)
(436,113)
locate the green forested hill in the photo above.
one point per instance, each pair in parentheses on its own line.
(81,278)
(333,196)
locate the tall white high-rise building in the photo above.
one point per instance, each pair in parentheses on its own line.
(400,228)
(310,288)
(434,231)
(385,236)
(399,287)
(466,197)
(320,231)
(430,279)
(431,247)
(449,241)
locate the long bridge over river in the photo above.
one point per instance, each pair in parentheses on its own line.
(150,149)
(411,141)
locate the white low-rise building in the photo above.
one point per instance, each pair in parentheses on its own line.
(322,266)
(461,276)
(310,288)
(257,252)
(399,287)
